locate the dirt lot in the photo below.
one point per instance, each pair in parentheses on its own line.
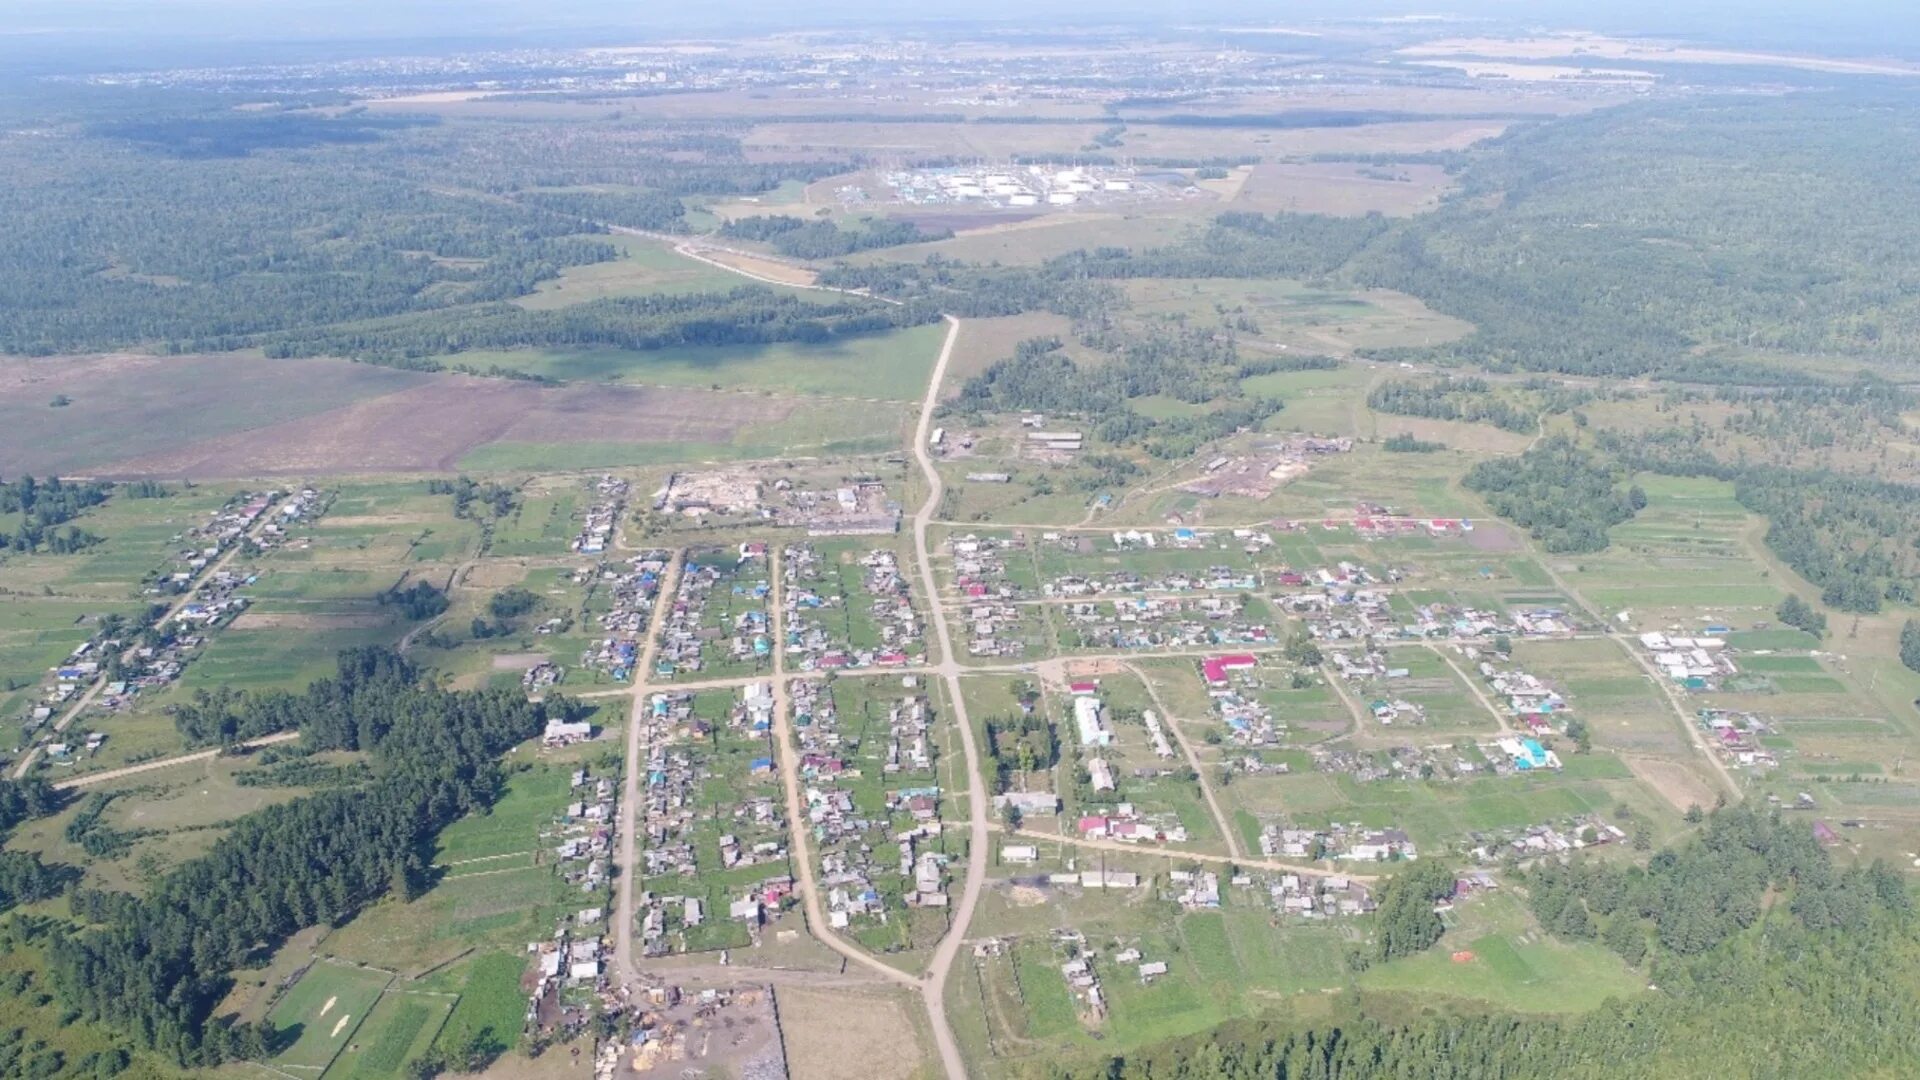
(825,1031)
(432,425)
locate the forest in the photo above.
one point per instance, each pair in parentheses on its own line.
(1189,364)
(748,315)
(1565,497)
(155,966)
(800,239)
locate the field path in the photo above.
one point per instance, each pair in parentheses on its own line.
(1193,761)
(1473,684)
(193,592)
(168,763)
(1680,710)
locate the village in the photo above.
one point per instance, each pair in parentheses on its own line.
(718,623)
(870,790)
(107,673)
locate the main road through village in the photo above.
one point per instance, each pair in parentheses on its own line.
(931,986)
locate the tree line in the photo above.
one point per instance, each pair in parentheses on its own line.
(822,239)
(156,966)
(748,315)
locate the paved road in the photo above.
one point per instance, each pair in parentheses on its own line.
(630,785)
(167,763)
(193,591)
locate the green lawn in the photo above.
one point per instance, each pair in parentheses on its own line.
(324,1009)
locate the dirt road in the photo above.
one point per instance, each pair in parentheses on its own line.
(630,782)
(949,671)
(91,779)
(1220,820)
(789,759)
(193,592)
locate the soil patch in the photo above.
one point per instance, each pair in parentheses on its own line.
(431,426)
(123,406)
(1492,536)
(1676,783)
(824,1031)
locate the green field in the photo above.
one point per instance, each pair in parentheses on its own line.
(401,1027)
(1513,965)
(891,366)
(324,1009)
(491,1005)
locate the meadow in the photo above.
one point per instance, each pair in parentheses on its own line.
(890,366)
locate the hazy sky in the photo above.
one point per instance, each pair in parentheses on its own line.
(1870,26)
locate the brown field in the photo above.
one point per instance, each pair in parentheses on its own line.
(126,406)
(998,141)
(1676,783)
(430,426)
(825,1031)
(1343,189)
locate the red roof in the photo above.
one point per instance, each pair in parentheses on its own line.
(1092,824)
(1084,687)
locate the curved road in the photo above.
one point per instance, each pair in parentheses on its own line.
(935,984)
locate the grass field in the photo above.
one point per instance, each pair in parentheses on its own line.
(644,268)
(401,1027)
(1513,966)
(491,1005)
(322,1012)
(892,366)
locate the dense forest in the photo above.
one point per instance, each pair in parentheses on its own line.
(748,315)
(111,246)
(1566,497)
(1190,364)
(1820,983)
(800,239)
(1619,242)
(155,966)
